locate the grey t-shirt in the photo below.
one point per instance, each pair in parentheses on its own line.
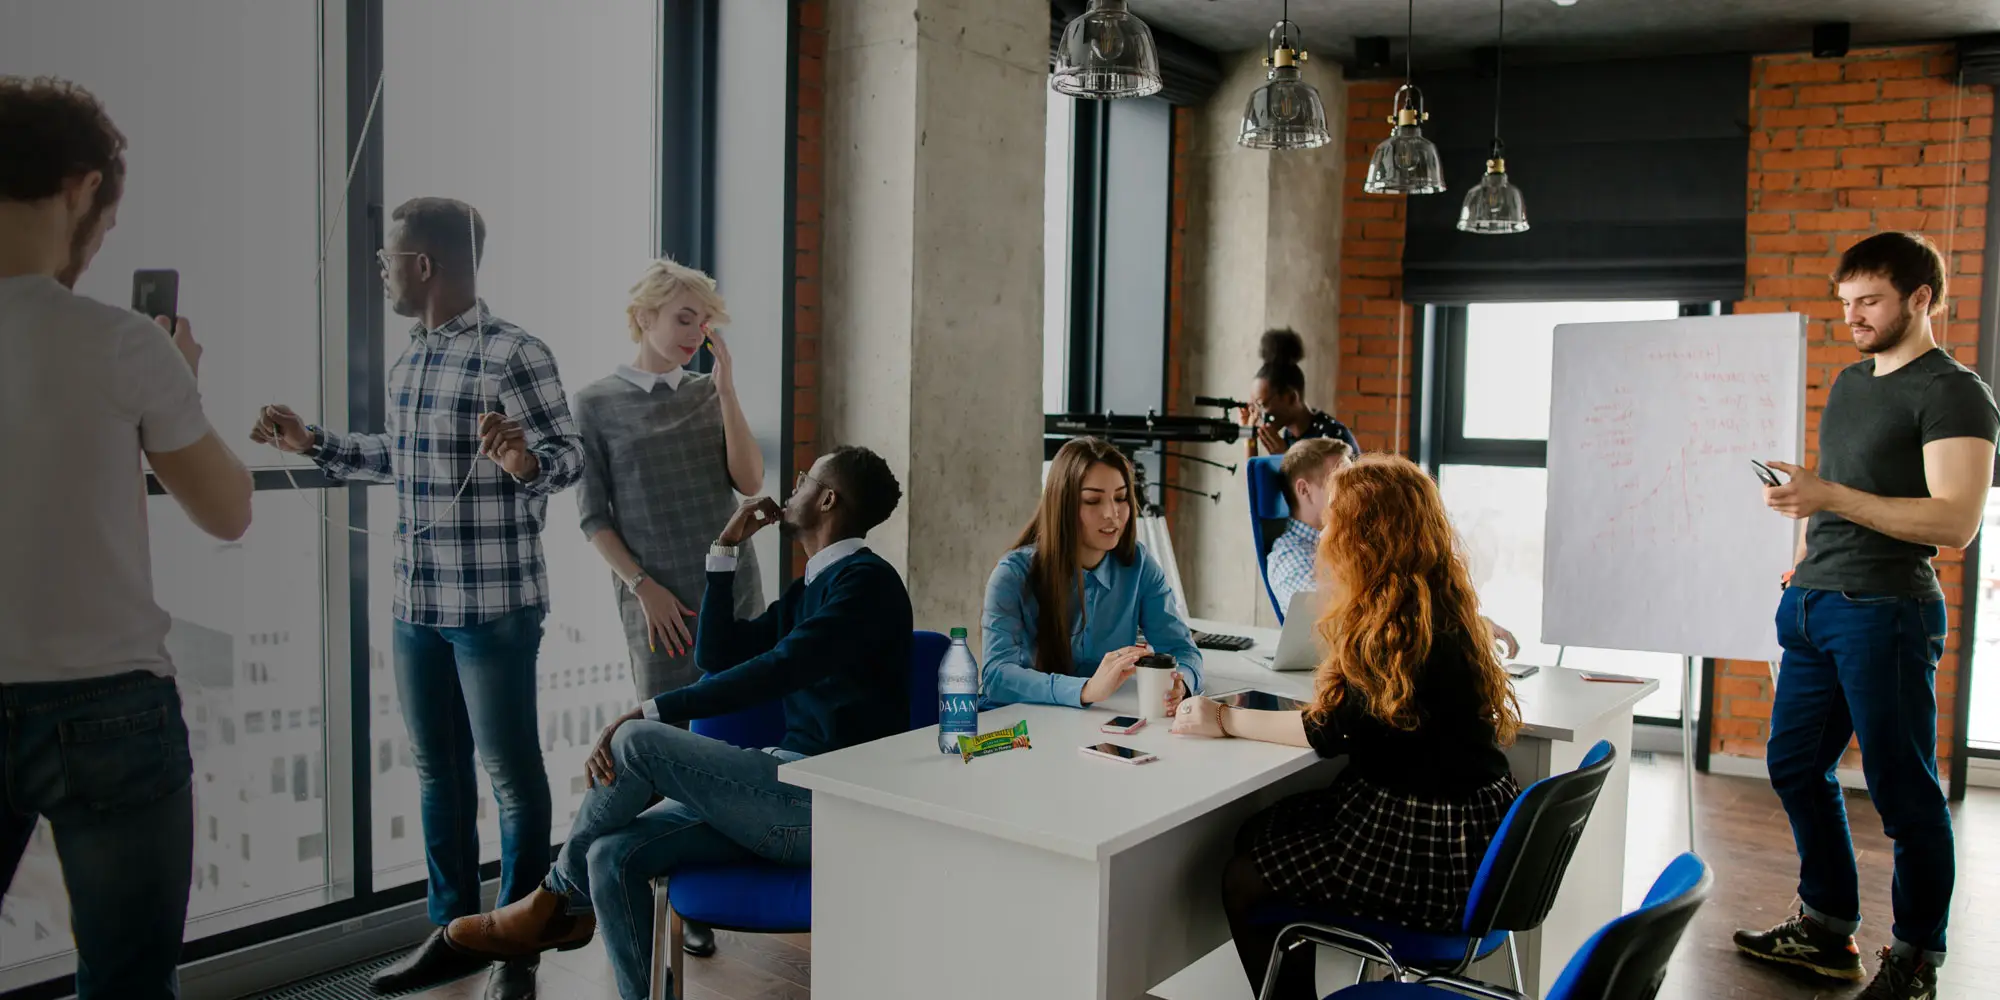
(84,387)
(1872,438)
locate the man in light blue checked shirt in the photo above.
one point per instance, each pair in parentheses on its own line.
(479,434)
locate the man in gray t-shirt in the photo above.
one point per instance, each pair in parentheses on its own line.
(1906,447)
(93,741)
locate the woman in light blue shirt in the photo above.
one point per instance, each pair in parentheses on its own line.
(1065,610)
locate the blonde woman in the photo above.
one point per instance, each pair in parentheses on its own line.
(666,452)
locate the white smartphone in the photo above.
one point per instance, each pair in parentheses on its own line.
(1112,751)
(1123,725)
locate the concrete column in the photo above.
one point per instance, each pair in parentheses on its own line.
(1263,251)
(935,126)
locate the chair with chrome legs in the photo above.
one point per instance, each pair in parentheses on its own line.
(758,897)
(1513,891)
(1626,960)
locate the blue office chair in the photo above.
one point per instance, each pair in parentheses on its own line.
(758,897)
(1513,890)
(1625,960)
(1270,515)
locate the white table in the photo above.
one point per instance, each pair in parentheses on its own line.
(1043,873)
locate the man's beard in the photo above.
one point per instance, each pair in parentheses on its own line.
(1890,337)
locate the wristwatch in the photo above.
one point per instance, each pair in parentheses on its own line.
(723,551)
(318,439)
(633,584)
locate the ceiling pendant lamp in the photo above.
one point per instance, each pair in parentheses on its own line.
(1495,206)
(1406,162)
(1107,53)
(1286,112)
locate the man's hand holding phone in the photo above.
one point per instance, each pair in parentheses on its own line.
(177,327)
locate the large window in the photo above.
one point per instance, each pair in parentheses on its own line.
(1493,368)
(242,117)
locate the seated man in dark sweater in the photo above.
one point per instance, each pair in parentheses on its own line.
(835,647)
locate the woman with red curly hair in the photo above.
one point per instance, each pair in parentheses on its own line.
(1412,693)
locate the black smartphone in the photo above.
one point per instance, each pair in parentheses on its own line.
(157,293)
(1764,472)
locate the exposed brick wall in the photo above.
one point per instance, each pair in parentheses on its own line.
(1840,149)
(809,199)
(1376,328)
(1182,174)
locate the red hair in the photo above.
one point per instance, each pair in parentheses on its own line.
(1389,542)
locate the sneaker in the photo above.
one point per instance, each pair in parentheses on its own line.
(1902,977)
(1802,943)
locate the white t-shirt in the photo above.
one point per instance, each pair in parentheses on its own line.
(83,388)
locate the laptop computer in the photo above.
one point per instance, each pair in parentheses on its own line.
(1298,642)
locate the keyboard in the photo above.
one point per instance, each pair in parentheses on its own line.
(1229,643)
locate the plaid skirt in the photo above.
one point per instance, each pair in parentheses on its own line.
(1379,854)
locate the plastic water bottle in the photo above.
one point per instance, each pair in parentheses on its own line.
(958,694)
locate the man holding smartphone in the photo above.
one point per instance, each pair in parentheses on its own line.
(94,740)
(1906,456)
(479,436)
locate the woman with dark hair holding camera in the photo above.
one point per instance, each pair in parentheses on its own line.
(1065,609)
(1278,412)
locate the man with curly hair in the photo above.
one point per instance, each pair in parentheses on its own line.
(93,740)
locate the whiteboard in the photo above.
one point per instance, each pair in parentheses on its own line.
(1657,536)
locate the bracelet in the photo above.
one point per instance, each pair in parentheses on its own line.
(723,551)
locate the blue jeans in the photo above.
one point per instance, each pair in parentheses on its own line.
(1864,665)
(466,687)
(723,805)
(107,762)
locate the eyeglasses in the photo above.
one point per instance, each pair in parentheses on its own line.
(803,477)
(383,257)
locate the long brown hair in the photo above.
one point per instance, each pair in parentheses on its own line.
(1053,571)
(1388,541)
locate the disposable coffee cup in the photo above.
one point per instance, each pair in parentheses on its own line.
(1155,674)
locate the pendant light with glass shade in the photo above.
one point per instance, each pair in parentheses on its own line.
(1107,53)
(1286,112)
(1406,162)
(1495,206)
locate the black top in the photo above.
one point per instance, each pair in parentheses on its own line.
(1451,752)
(1871,438)
(837,652)
(1322,425)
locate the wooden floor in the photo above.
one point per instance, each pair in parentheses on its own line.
(1744,836)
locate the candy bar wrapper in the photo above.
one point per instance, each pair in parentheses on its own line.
(994,742)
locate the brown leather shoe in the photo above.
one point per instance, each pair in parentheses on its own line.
(534,925)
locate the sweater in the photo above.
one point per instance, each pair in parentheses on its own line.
(837,651)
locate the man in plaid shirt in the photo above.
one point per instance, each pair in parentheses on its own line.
(471,396)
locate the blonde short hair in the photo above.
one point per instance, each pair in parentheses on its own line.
(1311,459)
(664,279)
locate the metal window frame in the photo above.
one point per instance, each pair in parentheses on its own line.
(1963,751)
(1090,146)
(690,51)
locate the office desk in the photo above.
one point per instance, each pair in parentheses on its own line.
(1043,873)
